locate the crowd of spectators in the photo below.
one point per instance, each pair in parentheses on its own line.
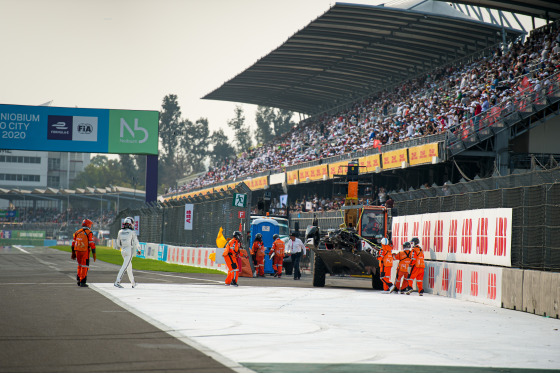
(444,99)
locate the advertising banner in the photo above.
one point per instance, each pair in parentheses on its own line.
(292,177)
(423,154)
(9,213)
(314,173)
(394,159)
(41,128)
(340,167)
(370,162)
(480,236)
(189,216)
(257,183)
(478,283)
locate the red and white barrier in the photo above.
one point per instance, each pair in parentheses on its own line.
(199,257)
(482,284)
(480,236)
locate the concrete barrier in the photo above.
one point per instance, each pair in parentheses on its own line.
(512,289)
(532,291)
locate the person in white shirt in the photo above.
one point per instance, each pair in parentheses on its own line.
(128,243)
(296,248)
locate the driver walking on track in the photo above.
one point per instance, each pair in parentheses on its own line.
(127,242)
(231,254)
(81,245)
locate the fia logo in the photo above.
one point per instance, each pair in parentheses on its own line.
(85,128)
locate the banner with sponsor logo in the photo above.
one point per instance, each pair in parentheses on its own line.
(41,128)
(292,176)
(189,208)
(340,167)
(9,213)
(394,159)
(370,162)
(423,154)
(257,183)
(478,283)
(480,236)
(314,173)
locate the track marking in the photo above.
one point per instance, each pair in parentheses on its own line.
(235,366)
(182,277)
(21,249)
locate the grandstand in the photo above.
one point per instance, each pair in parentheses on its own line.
(386,85)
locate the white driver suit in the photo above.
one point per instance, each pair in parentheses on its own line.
(128,243)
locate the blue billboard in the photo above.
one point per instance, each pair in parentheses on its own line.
(40,128)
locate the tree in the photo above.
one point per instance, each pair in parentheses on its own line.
(242,131)
(101,172)
(195,145)
(264,119)
(283,121)
(221,149)
(272,122)
(169,127)
(172,133)
(128,166)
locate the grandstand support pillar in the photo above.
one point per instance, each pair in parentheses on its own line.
(502,152)
(151,177)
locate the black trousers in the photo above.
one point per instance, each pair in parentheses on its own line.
(295,262)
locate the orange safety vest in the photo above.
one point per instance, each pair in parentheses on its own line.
(258,249)
(405,259)
(386,258)
(232,250)
(278,248)
(82,239)
(417,257)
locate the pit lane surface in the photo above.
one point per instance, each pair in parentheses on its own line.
(192,322)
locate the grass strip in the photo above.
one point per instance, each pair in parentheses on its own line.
(113,256)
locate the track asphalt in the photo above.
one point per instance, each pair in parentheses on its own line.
(48,324)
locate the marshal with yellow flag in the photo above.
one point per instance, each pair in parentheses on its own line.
(221,240)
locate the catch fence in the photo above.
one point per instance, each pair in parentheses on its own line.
(165,222)
(535,201)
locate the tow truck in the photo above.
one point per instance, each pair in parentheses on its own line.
(354,247)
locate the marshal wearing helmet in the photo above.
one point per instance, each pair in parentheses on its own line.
(82,244)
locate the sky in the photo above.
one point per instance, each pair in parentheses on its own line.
(130,54)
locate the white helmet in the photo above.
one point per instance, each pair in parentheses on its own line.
(384,241)
(128,223)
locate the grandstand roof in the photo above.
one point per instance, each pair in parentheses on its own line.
(109,193)
(534,8)
(354,50)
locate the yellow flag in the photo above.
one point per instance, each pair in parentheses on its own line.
(221,240)
(212,256)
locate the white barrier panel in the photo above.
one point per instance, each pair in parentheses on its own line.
(482,284)
(199,257)
(481,236)
(151,251)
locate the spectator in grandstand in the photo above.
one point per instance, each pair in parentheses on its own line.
(443,99)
